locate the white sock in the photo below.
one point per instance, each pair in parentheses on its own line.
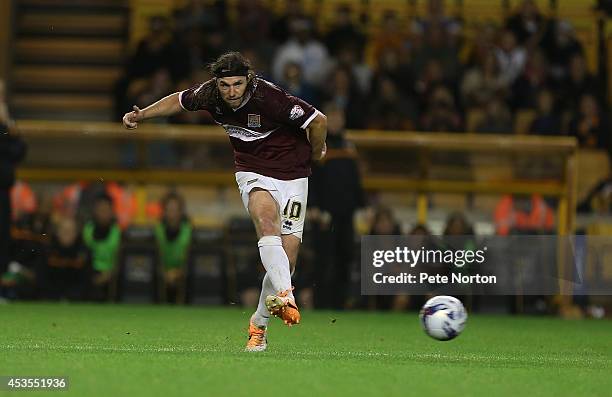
(261,316)
(274,259)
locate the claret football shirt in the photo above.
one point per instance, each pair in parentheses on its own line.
(267,131)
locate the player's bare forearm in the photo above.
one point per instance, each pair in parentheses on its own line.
(166,106)
(317,133)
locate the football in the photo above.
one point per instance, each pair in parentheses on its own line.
(443,317)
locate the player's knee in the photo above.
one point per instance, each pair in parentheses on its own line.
(267,226)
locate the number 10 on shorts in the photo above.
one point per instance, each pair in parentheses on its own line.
(292,210)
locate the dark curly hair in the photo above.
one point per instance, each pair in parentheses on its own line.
(229,64)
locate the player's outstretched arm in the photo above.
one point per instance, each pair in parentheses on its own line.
(166,106)
(317,133)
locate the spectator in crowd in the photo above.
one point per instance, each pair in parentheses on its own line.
(511,58)
(173,236)
(152,51)
(332,207)
(67,274)
(391,36)
(40,221)
(590,125)
(12,151)
(349,57)
(523,215)
(254,27)
(497,118)
(23,200)
(482,83)
(393,67)
(578,83)
(458,233)
(195,37)
(436,18)
(441,115)
(217,42)
(384,223)
(533,79)
(187,51)
(527,24)
(476,50)
(560,46)
(293,82)
(547,121)
(102,236)
(343,91)
(304,49)
(431,78)
(457,225)
(343,32)
(280,28)
(437,47)
(390,110)
(201,15)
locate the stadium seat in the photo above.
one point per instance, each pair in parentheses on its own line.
(63,102)
(72,78)
(207,274)
(138,279)
(70,50)
(57,25)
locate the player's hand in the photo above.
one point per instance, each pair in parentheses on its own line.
(131,119)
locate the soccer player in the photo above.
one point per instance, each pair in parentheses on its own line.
(275,137)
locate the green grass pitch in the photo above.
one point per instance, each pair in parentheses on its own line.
(125,350)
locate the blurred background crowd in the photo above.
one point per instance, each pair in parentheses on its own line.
(424,74)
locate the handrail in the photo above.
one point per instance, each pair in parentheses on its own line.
(362,139)
(226,178)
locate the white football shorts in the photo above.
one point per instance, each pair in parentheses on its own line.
(290,195)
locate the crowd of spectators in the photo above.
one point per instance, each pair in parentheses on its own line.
(57,254)
(429,74)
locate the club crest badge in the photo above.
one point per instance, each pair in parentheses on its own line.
(254,121)
(296,112)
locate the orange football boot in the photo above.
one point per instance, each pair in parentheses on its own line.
(282,306)
(258,340)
